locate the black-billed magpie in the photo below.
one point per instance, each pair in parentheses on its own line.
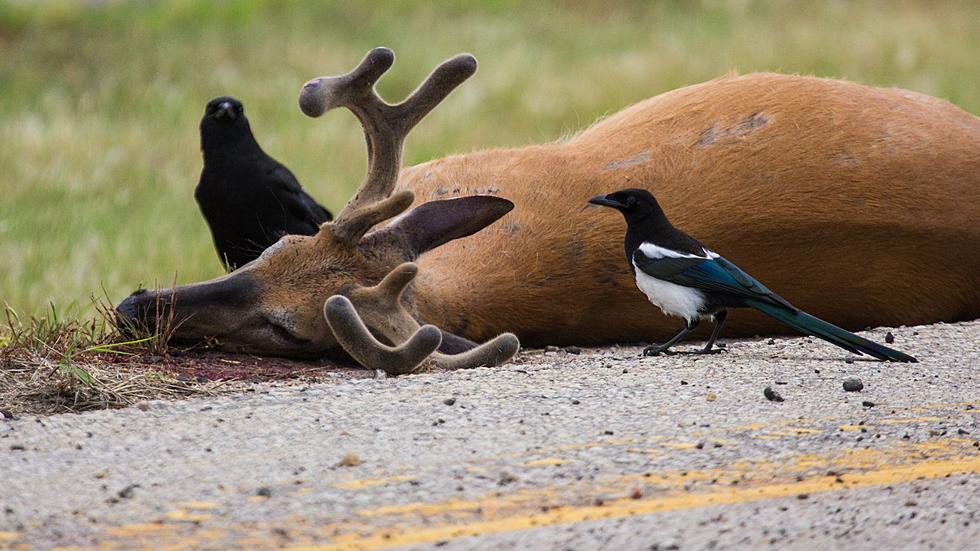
(248,199)
(686,279)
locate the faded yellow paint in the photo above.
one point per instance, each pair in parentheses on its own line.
(139,529)
(201,505)
(750,426)
(852,428)
(184,516)
(908,420)
(546,462)
(802,430)
(369,482)
(679,445)
(423,508)
(385,539)
(9,536)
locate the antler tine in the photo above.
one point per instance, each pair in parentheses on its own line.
(355,338)
(493,352)
(385,126)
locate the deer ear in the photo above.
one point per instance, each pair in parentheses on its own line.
(437,222)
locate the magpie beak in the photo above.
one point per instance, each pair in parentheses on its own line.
(606,202)
(225,109)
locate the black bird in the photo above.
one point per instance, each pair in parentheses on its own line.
(686,279)
(248,199)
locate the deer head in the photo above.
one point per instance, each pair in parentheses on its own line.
(348,286)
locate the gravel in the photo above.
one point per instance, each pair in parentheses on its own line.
(548,434)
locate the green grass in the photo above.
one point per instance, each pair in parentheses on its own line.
(100,102)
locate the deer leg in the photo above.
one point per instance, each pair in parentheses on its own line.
(454,344)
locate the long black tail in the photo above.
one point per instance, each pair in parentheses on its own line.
(809,325)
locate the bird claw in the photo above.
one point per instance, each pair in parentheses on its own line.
(656,350)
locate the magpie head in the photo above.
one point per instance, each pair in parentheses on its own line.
(633,203)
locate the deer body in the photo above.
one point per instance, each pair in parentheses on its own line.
(857,204)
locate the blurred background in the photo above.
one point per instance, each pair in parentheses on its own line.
(100,101)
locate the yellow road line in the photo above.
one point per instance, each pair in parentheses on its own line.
(368,482)
(746,480)
(385,539)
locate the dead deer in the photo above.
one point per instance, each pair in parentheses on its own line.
(858,203)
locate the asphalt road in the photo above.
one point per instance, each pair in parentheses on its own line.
(602,449)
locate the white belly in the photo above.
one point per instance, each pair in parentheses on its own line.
(673,299)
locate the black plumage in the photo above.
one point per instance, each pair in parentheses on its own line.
(686,279)
(248,199)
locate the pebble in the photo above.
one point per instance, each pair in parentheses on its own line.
(573,350)
(127,492)
(7,415)
(712,396)
(853,385)
(449,401)
(868,404)
(350,460)
(772,395)
(264,492)
(506,478)
(551,348)
(889,338)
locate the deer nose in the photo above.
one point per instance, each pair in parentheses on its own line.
(134,312)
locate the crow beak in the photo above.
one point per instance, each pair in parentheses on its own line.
(606,202)
(225,109)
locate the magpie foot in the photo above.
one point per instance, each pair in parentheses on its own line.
(656,350)
(701,351)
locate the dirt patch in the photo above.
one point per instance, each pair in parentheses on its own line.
(213,366)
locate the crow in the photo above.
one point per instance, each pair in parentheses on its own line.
(248,199)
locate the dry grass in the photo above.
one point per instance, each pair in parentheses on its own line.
(55,363)
(33,384)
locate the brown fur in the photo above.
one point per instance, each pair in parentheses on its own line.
(858,204)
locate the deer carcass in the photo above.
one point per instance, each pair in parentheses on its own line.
(858,203)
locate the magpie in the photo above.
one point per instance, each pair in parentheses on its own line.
(248,199)
(686,279)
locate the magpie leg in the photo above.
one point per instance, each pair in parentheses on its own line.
(720,318)
(656,349)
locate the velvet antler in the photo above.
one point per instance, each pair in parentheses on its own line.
(385,128)
(414,345)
